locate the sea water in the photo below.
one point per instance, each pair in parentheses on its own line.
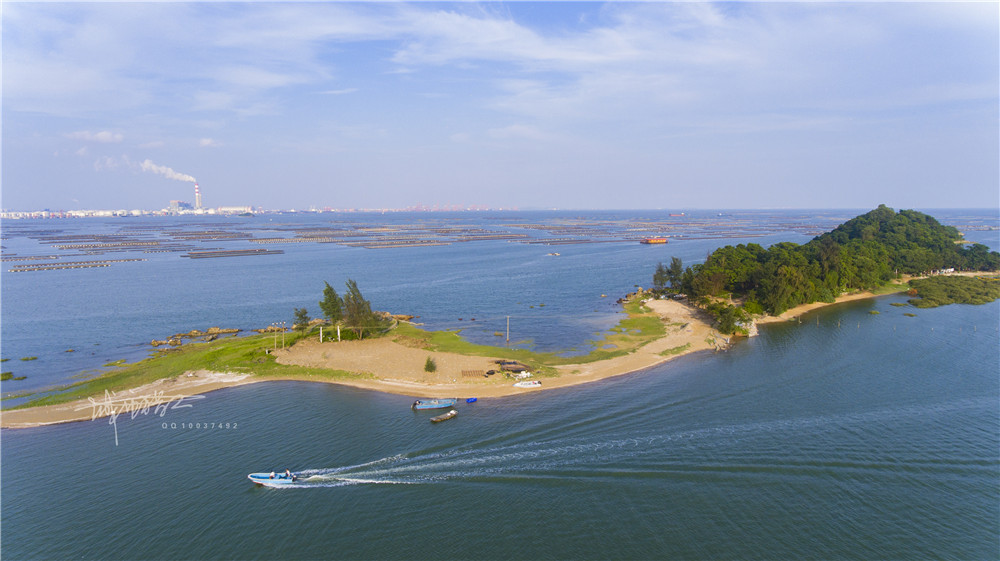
(847,435)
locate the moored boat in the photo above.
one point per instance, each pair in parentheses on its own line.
(438,403)
(653,240)
(528,384)
(445,417)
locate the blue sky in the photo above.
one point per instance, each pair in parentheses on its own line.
(530,105)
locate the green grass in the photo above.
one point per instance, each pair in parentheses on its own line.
(941,291)
(249,355)
(676,350)
(232,354)
(890,288)
(637,329)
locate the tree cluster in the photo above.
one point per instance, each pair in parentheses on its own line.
(863,253)
(352,310)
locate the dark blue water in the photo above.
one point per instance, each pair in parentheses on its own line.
(876,439)
(846,436)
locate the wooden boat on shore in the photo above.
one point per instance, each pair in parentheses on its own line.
(528,384)
(449,415)
(438,403)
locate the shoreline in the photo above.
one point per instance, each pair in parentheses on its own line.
(389,366)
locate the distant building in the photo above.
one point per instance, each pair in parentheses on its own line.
(234,209)
(177,206)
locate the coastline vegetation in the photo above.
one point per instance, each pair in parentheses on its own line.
(943,290)
(246,355)
(865,253)
(250,355)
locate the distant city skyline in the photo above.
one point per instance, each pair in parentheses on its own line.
(524,104)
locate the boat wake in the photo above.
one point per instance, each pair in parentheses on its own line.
(707,449)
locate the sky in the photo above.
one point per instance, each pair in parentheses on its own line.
(651,105)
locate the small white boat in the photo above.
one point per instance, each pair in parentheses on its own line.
(528,384)
(272,479)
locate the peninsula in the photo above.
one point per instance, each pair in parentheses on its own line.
(861,259)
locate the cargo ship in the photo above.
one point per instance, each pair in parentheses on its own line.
(653,240)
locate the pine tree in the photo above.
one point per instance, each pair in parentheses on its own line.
(357,311)
(301,318)
(332,305)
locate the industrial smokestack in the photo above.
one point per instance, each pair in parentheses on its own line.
(197,196)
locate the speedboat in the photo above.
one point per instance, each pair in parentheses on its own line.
(438,403)
(272,479)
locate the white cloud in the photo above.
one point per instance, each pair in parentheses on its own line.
(520,131)
(109,163)
(209,143)
(340,92)
(102,136)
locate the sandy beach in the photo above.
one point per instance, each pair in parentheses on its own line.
(386,365)
(389,366)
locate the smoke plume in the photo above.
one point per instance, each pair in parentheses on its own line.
(147,165)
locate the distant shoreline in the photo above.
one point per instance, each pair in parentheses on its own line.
(394,368)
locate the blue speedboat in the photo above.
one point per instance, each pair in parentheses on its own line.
(438,403)
(272,479)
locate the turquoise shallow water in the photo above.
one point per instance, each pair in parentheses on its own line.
(846,436)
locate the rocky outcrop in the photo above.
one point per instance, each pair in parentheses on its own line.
(178,338)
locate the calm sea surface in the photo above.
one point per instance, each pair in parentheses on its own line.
(846,436)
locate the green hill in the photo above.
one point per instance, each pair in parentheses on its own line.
(864,253)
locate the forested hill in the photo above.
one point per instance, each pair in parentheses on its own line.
(863,253)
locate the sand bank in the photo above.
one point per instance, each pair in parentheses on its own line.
(393,367)
(389,366)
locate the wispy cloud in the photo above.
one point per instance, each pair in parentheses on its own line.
(339,92)
(102,136)
(572,79)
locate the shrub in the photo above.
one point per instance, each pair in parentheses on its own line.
(430,365)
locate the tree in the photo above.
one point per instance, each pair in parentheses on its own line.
(675,272)
(332,305)
(301,318)
(660,277)
(358,312)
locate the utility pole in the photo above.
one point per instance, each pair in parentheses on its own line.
(282,335)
